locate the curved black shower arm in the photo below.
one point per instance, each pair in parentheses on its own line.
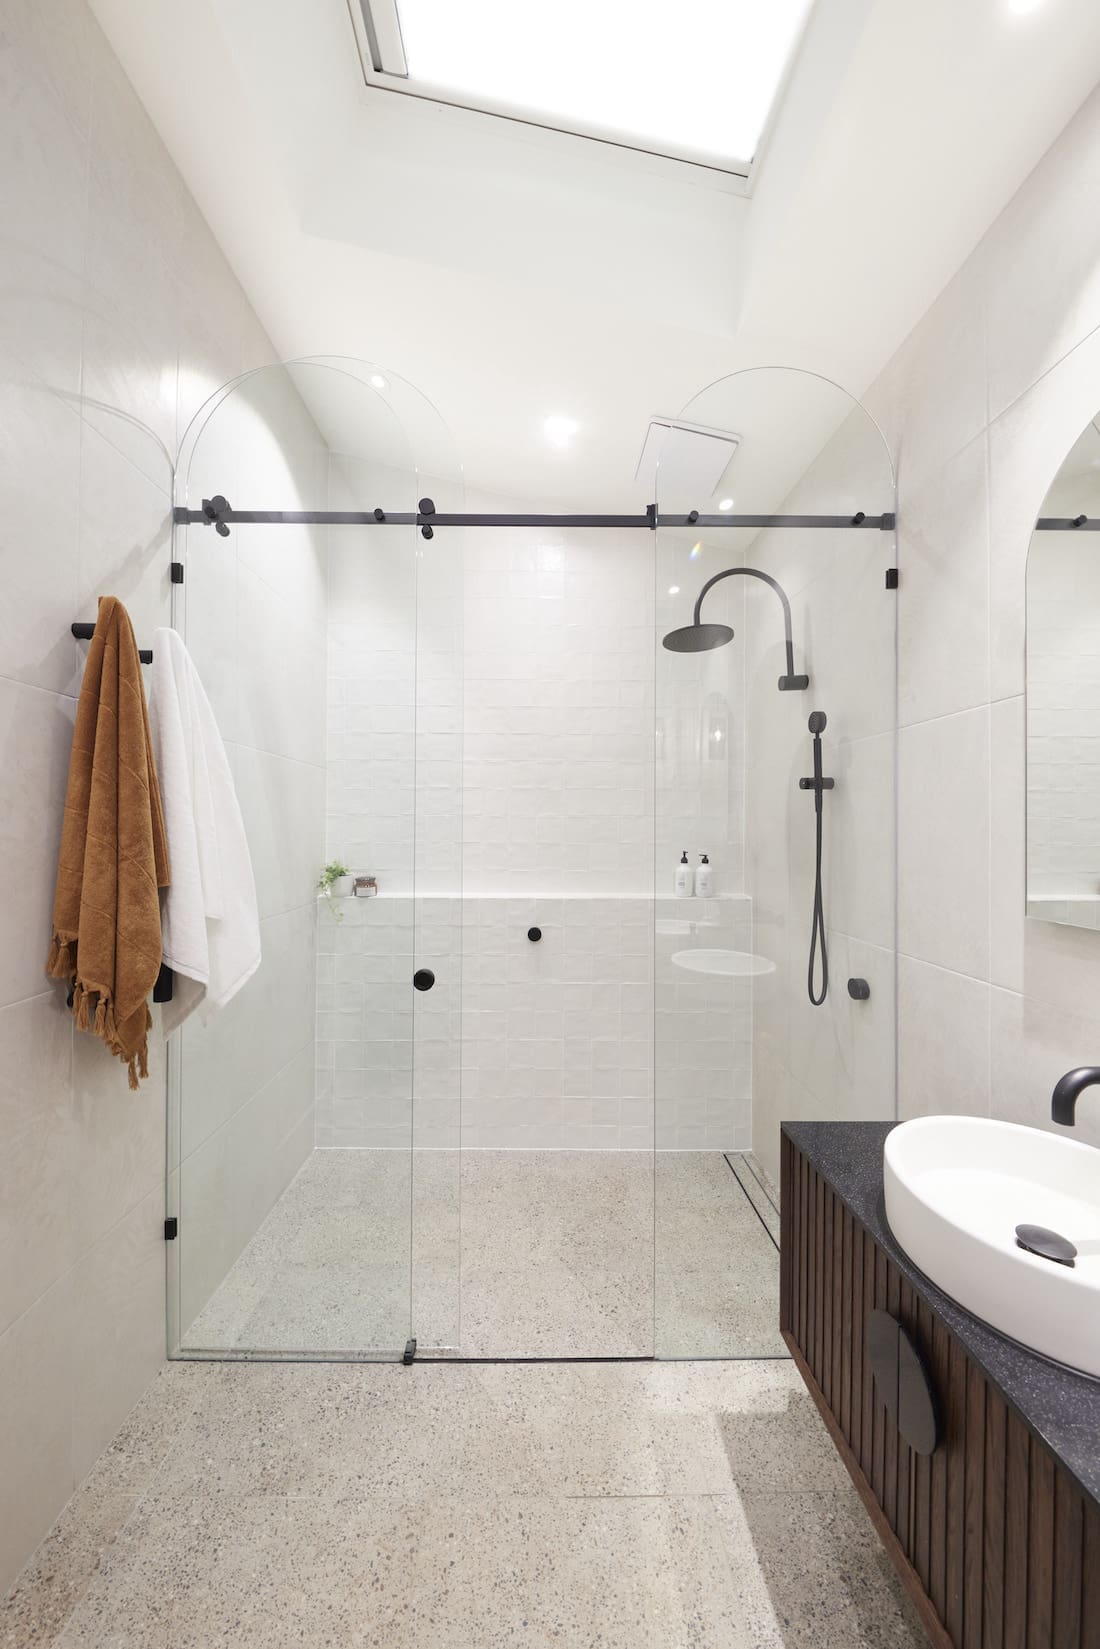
(790,680)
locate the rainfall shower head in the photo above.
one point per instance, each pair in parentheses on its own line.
(697,638)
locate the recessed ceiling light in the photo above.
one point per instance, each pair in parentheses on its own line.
(725,503)
(674,589)
(377,381)
(559,431)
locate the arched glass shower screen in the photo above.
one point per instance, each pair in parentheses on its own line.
(740,1047)
(313,1125)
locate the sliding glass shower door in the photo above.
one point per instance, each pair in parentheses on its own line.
(313,1141)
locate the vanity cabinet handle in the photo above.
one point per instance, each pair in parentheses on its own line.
(902,1382)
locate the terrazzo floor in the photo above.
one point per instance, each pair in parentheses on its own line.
(507,1254)
(624,1506)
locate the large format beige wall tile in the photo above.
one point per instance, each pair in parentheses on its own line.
(943,842)
(38,1160)
(118,1329)
(36,730)
(943,1041)
(37,1381)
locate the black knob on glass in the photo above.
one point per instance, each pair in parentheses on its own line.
(423,979)
(534,934)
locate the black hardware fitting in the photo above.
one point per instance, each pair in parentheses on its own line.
(213,509)
(534,934)
(902,1382)
(1049,1245)
(693,516)
(891,578)
(426,506)
(165,984)
(859,990)
(887,523)
(793,684)
(859,518)
(1079,520)
(85,632)
(409,1352)
(176,572)
(171,1228)
(427,532)
(423,979)
(379,515)
(651,516)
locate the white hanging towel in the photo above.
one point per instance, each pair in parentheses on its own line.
(209,919)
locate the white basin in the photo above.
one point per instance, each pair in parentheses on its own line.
(957,1188)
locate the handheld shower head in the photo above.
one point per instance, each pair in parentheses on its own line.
(817,723)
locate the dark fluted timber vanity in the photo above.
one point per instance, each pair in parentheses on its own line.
(996,1531)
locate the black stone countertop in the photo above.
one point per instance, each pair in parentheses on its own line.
(1059,1407)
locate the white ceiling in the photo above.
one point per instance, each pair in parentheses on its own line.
(513,273)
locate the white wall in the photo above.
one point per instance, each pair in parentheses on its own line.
(118,315)
(982,403)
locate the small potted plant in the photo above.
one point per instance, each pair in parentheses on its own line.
(333,883)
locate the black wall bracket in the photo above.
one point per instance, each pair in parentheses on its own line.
(171,1228)
(409,1353)
(85,632)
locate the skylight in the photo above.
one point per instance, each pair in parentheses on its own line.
(696,81)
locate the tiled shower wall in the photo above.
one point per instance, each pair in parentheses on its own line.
(516,675)
(119,317)
(835,1060)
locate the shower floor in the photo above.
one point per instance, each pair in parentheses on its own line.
(508,1254)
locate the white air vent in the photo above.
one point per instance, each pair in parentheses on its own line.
(687,458)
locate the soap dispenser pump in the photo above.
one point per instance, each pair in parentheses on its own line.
(682,884)
(704,882)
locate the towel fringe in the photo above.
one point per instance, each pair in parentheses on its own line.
(61,962)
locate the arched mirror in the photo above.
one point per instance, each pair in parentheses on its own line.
(1063,693)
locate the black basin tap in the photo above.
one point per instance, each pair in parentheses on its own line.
(1067,1091)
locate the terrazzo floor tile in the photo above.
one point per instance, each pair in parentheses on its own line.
(625,1573)
(649,1505)
(510,1253)
(809,1573)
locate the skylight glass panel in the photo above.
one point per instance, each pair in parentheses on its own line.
(696,79)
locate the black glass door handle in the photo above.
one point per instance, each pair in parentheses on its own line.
(423,979)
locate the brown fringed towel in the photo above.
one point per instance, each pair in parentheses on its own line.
(114,856)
